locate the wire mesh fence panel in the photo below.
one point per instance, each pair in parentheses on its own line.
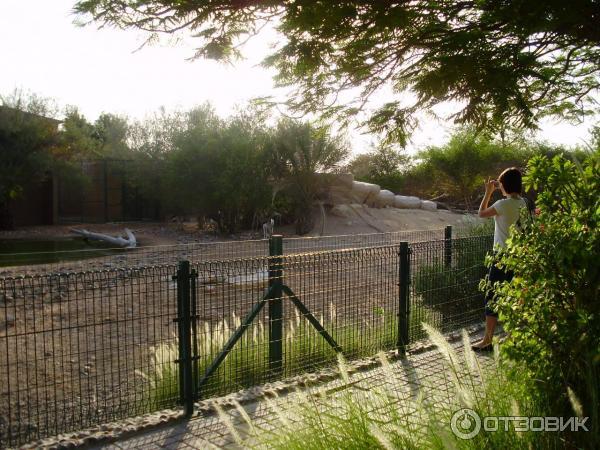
(81,349)
(343,299)
(315,244)
(445,277)
(101,258)
(352,293)
(110,258)
(226,293)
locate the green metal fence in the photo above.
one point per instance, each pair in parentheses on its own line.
(76,349)
(83,348)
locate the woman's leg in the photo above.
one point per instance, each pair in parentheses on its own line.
(491,317)
(490,327)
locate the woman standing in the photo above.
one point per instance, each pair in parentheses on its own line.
(505,212)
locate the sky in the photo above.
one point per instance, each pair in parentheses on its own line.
(42,51)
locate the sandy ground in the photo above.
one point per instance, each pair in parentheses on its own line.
(355,219)
(351,219)
(147,234)
(83,341)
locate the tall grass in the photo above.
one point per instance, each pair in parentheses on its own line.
(394,417)
(247,365)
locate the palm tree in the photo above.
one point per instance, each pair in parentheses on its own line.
(298,154)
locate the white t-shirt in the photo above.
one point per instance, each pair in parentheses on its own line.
(508,210)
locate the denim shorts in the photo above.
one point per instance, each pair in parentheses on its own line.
(495,275)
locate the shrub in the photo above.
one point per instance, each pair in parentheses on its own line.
(296,153)
(551,309)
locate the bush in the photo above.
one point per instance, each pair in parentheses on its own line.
(551,309)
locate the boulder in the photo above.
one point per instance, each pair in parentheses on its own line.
(364,192)
(384,198)
(339,180)
(428,205)
(407,202)
(341,211)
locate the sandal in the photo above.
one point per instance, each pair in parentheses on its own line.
(485,348)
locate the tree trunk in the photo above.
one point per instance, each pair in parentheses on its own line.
(128,242)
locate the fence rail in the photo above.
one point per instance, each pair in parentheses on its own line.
(83,348)
(108,258)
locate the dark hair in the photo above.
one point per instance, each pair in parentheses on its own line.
(511,180)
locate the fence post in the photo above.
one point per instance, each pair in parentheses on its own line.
(403,300)
(275,304)
(448,246)
(186,388)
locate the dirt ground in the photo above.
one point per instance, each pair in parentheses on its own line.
(345,220)
(75,348)
(147,233)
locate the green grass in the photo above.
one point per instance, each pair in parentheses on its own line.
(247,365)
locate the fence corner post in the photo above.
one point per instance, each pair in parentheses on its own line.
(403,297)
(186,387)
(275,304)
(448,246)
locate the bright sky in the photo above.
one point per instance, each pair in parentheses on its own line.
(100,71)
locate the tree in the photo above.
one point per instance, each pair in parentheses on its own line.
(111,132)
(297,154)
(503,62)
(216,170)
(360,166)
(78,135)
(29,140)
(383,165)
(459,168)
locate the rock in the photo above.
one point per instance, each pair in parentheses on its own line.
(364,192)
(407,202)
(341,211)
(384,198)
(428,205)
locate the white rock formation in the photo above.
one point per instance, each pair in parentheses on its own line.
(428,205)
(364,192)
(341,190)
(407,202)
(384,198)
